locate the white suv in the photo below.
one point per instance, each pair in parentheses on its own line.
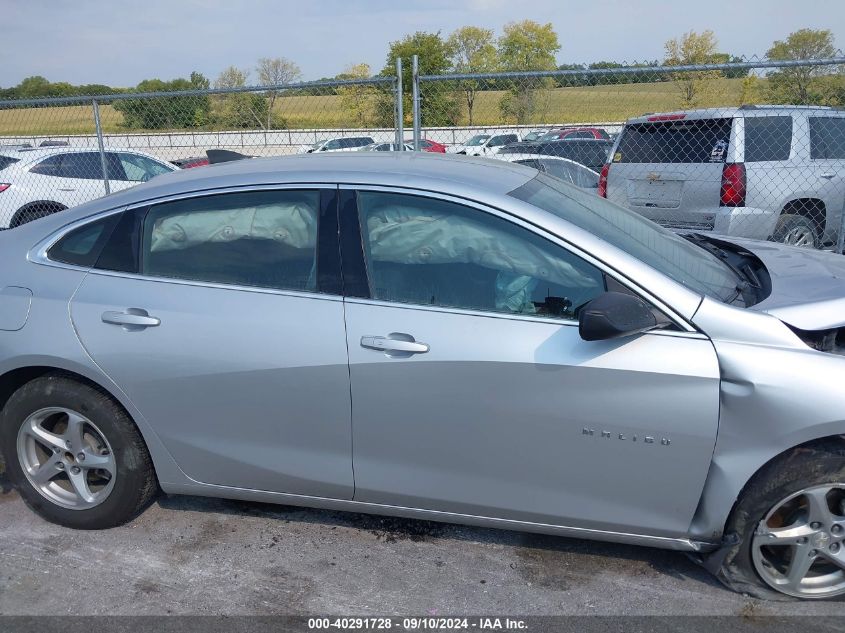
(484,144)
(340,144)
(763,172)
(37,182)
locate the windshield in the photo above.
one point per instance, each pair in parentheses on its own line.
(477,140)
(318,144)
(694,267)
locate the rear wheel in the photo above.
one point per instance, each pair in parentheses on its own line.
(791,524)
(796,230)
(74,455)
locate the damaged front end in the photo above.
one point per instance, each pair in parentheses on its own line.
(830,340)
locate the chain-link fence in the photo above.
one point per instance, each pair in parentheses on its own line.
(691,147)
(60,152)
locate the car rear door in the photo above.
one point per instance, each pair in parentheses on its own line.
(473,393)
(220,317)
(670,169)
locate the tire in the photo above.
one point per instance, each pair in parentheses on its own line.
(806,471)
(796,230)
(113,469)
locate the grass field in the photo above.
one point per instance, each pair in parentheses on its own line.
(561,105)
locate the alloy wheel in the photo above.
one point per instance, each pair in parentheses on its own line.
(799,547)
(66,458)
(800,236)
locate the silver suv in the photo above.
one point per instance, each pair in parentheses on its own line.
(764,172)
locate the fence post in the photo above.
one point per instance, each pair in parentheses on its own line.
(100,144)
(399,109)
(415,90)
(840,237)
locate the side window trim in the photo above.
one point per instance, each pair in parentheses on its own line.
(349,191)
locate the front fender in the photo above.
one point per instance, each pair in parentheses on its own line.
(772,399)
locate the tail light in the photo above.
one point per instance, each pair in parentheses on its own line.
(4,186)
(733,185)
(605,169)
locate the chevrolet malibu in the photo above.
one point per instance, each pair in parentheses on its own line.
(434,337)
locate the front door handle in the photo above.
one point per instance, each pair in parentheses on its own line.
(828,175)
(394,344)
(132,319)
(66,189)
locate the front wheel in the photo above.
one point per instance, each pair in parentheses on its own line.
(74,454)
(791,524)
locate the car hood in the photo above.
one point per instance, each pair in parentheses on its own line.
(808,286)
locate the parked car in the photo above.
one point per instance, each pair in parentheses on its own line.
(592,153)
(428,146)
(484,144)
(638,386)
(385,147)
(340,144)
(563,168)
(765,172)
(575,132)
(190,162)
(534,135)
(38,182)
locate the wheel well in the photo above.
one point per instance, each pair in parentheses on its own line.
(820,443)
(17,378)
(811,208)
(39,205)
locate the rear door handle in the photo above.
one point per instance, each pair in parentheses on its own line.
(131,319)
(66,189)
(828,175)
(404,344)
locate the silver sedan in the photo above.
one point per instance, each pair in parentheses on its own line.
(427,336)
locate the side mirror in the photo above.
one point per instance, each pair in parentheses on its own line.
(614,314)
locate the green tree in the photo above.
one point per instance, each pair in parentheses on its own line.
(358,99)
(471,50)
(33,87)
(438,107)
(168,112)
(239,110)
(692,48)
(801,85)
(526,46)
(276,71)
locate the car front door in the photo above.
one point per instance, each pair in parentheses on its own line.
(222,324)
(473,393)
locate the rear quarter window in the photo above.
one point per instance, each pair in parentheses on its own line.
(698,141)
(5,161)
(82,246)
(767,138)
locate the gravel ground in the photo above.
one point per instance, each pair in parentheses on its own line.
(188,555)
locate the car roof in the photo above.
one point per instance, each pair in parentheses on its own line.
(736,111)
(478,177)
(34,153)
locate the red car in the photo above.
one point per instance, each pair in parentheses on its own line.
(429,146)
(575,132)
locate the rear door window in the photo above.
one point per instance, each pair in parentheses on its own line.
(767,138)
(84,165)
(699,141)
(827,138)
(50,166)
(265,239)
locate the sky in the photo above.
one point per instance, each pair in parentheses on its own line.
(120,43)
